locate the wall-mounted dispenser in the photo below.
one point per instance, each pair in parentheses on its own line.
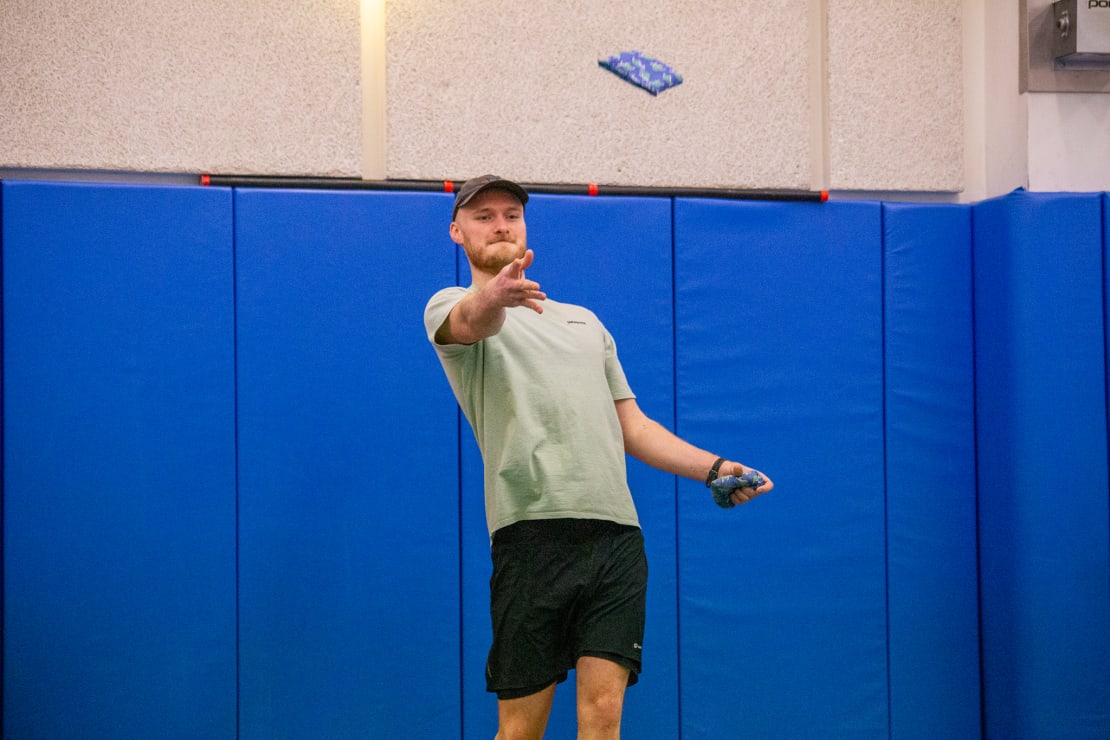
(1082,38)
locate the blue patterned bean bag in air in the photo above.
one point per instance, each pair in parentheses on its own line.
(643,71)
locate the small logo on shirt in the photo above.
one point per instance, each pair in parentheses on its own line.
(572,321)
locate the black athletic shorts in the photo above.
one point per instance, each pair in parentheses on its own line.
(562,589)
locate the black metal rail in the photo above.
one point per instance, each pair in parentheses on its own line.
(449,186)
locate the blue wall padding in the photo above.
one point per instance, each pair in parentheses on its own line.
(479,706)
(236,486)
(1042,461)
(119,462)
(348,499)
(779,346)
(614,256)
(932,572)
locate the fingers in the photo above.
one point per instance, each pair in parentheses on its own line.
(526,260)
(527,293)
(515,269)
(531,297)
(518,290)
(745,494)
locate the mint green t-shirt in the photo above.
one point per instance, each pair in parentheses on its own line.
(539,396)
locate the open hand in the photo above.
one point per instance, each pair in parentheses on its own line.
(511,288)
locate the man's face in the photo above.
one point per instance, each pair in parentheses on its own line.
(491,230)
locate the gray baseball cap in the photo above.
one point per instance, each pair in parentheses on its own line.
(476,185)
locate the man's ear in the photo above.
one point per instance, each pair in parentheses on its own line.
(456,235)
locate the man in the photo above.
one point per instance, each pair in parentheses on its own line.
(553,415)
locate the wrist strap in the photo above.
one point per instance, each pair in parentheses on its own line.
(713,472)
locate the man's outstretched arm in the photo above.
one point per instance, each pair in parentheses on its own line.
(650,442)
(481,314)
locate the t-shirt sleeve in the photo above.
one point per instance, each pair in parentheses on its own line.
(614,373)
(438,308)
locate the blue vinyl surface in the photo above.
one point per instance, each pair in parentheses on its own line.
(930,470)
(1042,446)
(779,346)
(614,257)
(348,445)
(239,499)
(119,462)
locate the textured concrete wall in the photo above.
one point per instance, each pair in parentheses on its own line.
(477,85)
(895,95)
(842,94)
(258,86)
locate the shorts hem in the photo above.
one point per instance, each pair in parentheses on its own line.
(632,664)
(520,693)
